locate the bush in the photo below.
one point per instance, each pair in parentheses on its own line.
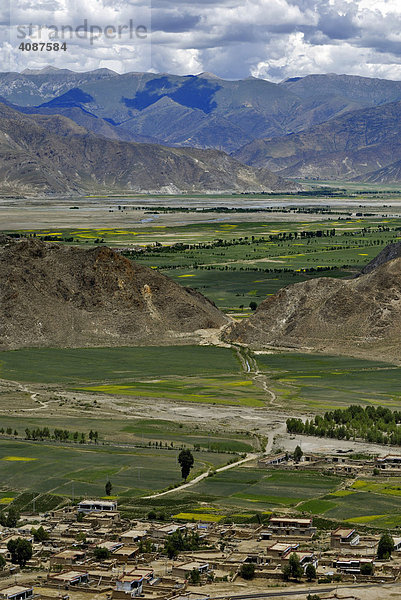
(310,572)
(101,553)
(247,571)
(367,569)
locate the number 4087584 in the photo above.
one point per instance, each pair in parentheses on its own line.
(42,46)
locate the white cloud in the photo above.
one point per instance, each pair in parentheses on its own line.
(233,38)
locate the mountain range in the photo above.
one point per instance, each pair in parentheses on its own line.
(42,154)
(317,127)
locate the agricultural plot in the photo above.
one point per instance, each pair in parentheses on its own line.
(256,489)
(143,432)
(321,382)
(231,289)
(220,390)
(43,365)
(200,374)
(83,471)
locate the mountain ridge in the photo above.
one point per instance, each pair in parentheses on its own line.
(42,154)
(65,296)
(358,317)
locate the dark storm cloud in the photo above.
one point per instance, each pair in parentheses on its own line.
(338,27)
(174,21)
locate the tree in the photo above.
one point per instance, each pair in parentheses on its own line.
(176,542)
(310,572)
(101,553)
(194,576)
(186,461)
(296,571)
(40,535)
(152,515)
(253,305)
(385,547)
(286,572)
(12,518)
(298,454)
(2,562)
(20,550)
(108,488)
(247,571)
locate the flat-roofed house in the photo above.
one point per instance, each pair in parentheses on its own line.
(291,526)
(388,462)
(305,559)
(166,530)
(273,460)
(352,565)
(68,578)
(87,506)
(344,537)
(67,557)
(126,553)
(133,535)
(281,549)
(110,546)
(129,584)
(397,544)
(182,570)
(16,592)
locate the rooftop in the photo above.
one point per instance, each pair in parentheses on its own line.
(15,589)
(342,532)
(289,521)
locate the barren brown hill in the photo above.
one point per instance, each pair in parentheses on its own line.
(52,154)
(388,253)
(54,295)
(356,317)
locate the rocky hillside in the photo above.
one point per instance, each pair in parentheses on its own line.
(52,154)
(63,296)
(360,145)
(357,317)
(388,253)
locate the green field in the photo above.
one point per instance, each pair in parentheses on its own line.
(87,365)
(83,470)
(237,262)
(320,382)
(258,489)
(202,374)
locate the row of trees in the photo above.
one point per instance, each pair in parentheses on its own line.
(60,435)
(375,425)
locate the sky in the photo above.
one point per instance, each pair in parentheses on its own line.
(269,39)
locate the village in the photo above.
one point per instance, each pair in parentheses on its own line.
(89,550)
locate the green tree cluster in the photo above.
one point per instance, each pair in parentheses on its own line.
(101,553)
(247,571)
(293,569)
(40,534)
(373,424)
(20,550)
(177,542)
(10,519)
